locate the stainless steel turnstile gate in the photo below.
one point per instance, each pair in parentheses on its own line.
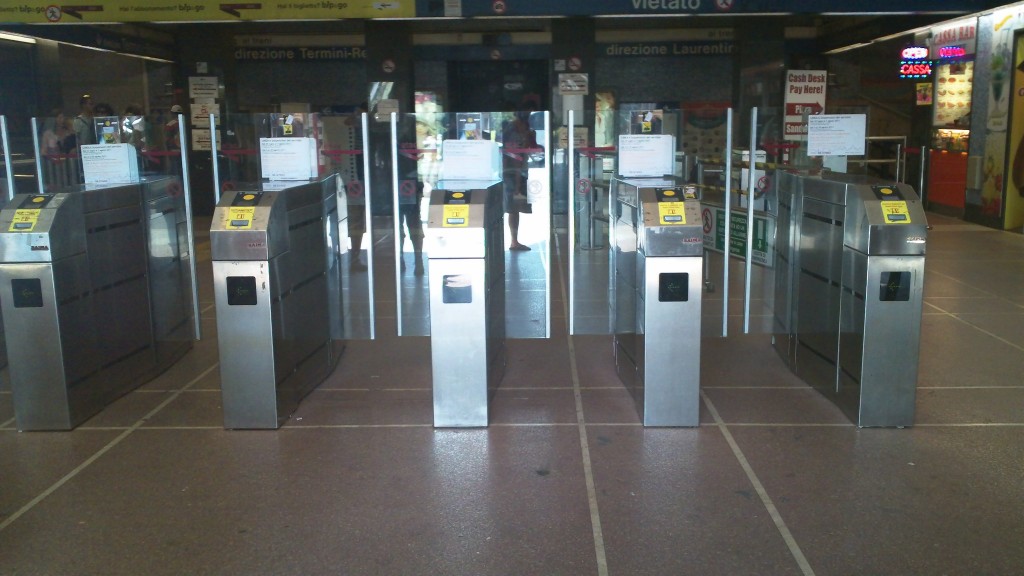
(467,299)
(277,284)
(657,267)
(852,289)
(96,294)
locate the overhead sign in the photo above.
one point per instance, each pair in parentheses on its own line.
(113,11)
(956,40)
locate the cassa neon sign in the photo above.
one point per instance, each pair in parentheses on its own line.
(915,69)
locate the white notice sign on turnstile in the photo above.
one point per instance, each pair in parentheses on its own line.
(470,160)
(109,163)
(646,156)
(288,158)
(836,134)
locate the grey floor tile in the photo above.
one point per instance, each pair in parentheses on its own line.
(34,461)
(970,406)
(341,501)
(775,406)
(127,410)
(202,408)
(888,501)
(954,353)
(389,407)
(532,406)
(676,501)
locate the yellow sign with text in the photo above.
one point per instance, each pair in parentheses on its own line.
(895,212)
(671,213)
(240,218)
(24,220)
(456,216)
(113,11)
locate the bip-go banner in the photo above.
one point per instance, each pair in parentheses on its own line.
(113,11)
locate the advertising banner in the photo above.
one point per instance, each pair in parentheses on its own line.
(112,11)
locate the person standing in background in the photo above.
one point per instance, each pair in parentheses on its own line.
(84,132)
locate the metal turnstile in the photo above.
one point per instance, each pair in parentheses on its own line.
(277,284)
(857,259)
(657,269)
(96,295)
(465,244)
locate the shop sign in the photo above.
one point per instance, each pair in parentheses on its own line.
(956,40)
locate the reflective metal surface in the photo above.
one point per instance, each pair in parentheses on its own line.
(467,299)
(278,292)
(657,266)
(95,296)
(850,291)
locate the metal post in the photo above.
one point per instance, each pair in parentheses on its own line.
(396,217)
(921,175)
(197,322)
(750,221)
(38,156)
(368,221)
(571,160)
(213,154)
(7,158)
(728,222)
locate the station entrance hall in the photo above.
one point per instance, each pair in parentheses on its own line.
(482,287)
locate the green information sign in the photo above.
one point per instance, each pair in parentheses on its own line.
(714,234)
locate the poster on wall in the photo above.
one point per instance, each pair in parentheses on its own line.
(805,95)
(924,93)
(704,128)
(1014,216)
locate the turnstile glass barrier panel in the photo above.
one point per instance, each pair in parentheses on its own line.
(590,141)
(592,149)
(171,265)
(524,169)
(722,241)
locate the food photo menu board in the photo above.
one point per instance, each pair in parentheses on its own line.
(953,83)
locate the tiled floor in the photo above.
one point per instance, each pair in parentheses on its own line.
(775,481)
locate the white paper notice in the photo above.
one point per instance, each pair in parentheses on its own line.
(836,134)
(203,87)
(470,160)
(286,158)
(647,156)
(201,139)
(109,163)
